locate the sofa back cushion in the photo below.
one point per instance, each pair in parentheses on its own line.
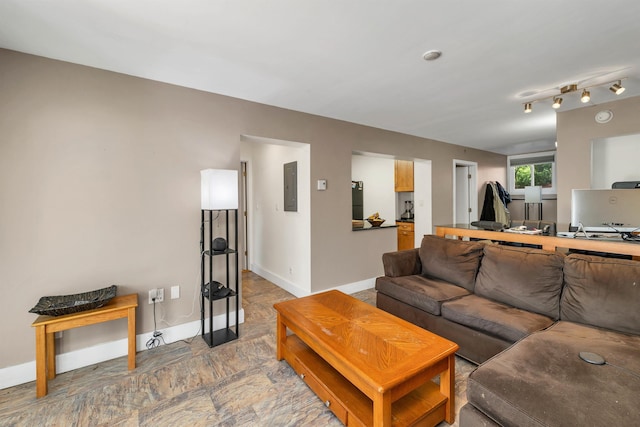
(602,292)
(454,261)
(530,279)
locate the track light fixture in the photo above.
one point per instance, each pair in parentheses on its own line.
(616,87)
(586,96)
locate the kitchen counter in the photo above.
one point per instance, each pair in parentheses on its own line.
(549,243)
(368,227)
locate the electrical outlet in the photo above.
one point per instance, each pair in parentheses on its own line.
(158,294)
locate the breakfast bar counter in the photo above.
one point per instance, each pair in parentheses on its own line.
(549,243)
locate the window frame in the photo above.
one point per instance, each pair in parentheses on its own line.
(531,160)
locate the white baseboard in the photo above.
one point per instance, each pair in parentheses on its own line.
(290,287)
(26,372)
(280,281)
(352,288)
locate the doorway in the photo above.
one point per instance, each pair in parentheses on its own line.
(272,250)
(465,194)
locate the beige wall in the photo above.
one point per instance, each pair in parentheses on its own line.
(99,178)
(575,131)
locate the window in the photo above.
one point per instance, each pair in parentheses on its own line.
(532,169)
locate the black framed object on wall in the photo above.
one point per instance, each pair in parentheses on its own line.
(291,187)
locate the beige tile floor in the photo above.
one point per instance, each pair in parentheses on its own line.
(235,384)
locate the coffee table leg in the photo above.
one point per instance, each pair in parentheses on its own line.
(382,410)
(448,388)
(281,335)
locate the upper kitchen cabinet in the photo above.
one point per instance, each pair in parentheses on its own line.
(403,175)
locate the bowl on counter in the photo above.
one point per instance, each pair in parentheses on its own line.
(375,222)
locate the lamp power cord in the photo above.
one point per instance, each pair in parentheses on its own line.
(154,341)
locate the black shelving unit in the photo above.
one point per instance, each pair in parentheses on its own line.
(216,284)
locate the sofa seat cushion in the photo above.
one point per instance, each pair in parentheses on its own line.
(495,318)
(541,380)
(530,279)
(454,261)
(419,291)
(603,292)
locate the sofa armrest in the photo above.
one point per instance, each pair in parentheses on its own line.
(401,263)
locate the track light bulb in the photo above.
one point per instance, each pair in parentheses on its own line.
(586,96)
(527,107)
(557,101)
(617,88)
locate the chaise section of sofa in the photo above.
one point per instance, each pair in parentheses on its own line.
(542,381)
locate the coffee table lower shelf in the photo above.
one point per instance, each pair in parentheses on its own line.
(424,406)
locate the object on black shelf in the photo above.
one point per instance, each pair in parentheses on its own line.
(219,244)
(67,304)
(219,290)
(222,292)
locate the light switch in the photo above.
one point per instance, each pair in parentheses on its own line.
(175,292)
(322,184)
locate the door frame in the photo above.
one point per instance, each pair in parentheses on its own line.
(473,188)
(244,170)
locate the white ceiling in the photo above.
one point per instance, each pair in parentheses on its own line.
(358,60)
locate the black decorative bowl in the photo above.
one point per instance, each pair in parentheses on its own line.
(67,304)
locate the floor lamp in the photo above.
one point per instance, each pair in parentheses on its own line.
(532,196)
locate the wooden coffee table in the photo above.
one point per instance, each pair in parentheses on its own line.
(368,366)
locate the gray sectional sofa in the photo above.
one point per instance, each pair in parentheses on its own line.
(525,315)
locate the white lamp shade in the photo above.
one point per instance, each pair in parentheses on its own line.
(533,194)
(219,189)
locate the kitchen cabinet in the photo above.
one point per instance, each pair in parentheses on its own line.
(403,175)
(406,239)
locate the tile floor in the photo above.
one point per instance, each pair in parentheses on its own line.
(237,384)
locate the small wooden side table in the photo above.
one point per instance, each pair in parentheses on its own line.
(119,307)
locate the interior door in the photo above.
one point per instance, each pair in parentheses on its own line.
(462,214)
